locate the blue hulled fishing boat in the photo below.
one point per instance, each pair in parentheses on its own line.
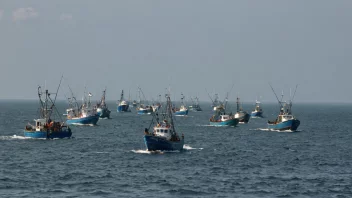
(102,107)
(241,115)
(195,105)
(164,136)
(182,111)
(81,115)
(46,126)
(122,104)
(258,111)
(220,118)
(285,119)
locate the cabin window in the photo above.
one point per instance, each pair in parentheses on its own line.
(38,123)
(157,130)
(165,131)
(161,130)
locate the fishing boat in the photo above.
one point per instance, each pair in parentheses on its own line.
(241,115)
(46,126)
(81,115)
(157,106)
(221,118)
(285,120)
(134,103)
(122,104)
(143,109)
(164,136)
(258,111)
(102,107)
(216,103)
(182,111)
(195,105)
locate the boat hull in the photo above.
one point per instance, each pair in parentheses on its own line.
(244,119)
(50,135)
(90,120)
(103,113)
(143,112)
(181,112)
(232,122)
(287,125)
(196,109)
(154,143)
(122,108)
(257,114)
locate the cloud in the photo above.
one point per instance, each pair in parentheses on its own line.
(65,17)
(24,14)
(1,14)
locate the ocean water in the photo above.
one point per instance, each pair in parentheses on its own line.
(110,160)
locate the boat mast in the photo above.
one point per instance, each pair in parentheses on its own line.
(169,112)
(53,102)
(277,98)
(182,97)
(213,102)
(193,102)
(121,97)
(102,101)
(139,96)
(238,104)
(291,100)
(41,103)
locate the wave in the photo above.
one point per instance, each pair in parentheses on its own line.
(18,137)
(147,152)
(187,147)
(208,125)
(184,116)
(14,137)
(256,117)
(100,152)
(79,124)
(273,130)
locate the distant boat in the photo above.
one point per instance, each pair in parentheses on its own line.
(134,103)
(122,104)
(143,109)
(157,105)
(195,105)
(46,126)
(182,111)
(241,115)
(221,118)
(216,103)
(81,115)
(102,107)
(285,120)
(164,136)
(258,111)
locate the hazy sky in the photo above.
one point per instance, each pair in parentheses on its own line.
(189,45)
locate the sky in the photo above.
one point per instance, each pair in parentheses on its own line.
(193,47)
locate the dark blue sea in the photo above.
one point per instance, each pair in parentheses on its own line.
(110,160)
